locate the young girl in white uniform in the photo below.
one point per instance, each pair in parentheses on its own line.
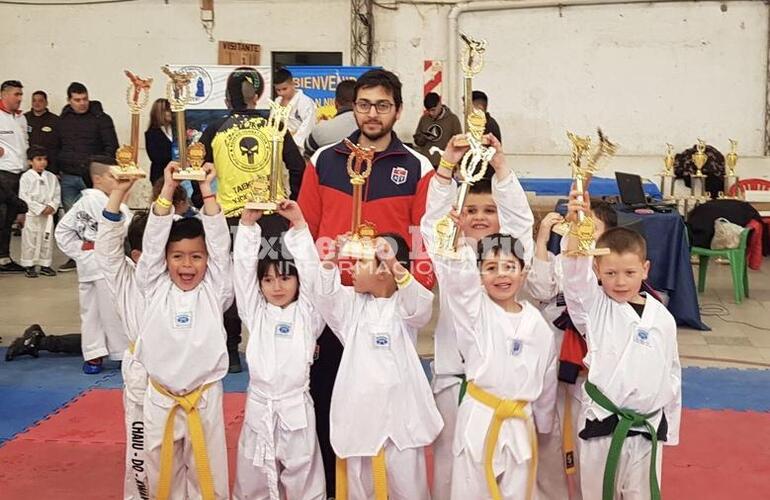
(278,453)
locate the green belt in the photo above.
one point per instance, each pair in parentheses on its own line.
(627,420)
(463,388)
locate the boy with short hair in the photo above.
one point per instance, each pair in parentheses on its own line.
(184,274)
(101,329)
(40,190)
(118,270)
(510,363)
(499,205)
(302,118)
(632,395)
(382,410)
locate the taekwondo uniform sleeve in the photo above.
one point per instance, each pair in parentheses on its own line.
(334,301)
(673,410)
(415,304)
(219,272)
(300,244)
(544,407)
(152,264)
(542,281)
(67,237)
(32,193)
(514,212)
(306,111)
(438,203)
(55,201)
(245,282)
(581,289)
(109,252)
(463,291)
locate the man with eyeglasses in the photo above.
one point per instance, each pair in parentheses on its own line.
(13,161)
(393,200)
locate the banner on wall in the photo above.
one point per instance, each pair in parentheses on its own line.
(320,83)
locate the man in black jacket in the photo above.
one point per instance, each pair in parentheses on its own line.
(84,130)
(43,128)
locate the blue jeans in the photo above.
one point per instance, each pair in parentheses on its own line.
(71,186)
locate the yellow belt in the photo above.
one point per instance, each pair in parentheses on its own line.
(189,403)
(379,475)
(568,436)
(504,409)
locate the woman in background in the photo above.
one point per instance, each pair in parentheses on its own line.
(158,138)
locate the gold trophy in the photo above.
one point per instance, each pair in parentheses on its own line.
(667,176)
(360,245)
(191,157)
(583,229)
(698,180)
(731,160)
(137,97)
(268,190)
(472,63)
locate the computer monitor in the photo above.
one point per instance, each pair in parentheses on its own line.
(630,188)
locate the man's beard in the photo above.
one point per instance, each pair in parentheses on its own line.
(386,129)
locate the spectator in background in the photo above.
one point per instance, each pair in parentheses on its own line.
(43,128)
(13,161)
(158,138)
(481,101)
(437,125)
(84,130)
(342,125)
(302,116)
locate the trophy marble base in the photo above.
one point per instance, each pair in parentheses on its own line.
(124,173)
(265,206)
(595,252)
(190,175)
(462,142)
(358,249)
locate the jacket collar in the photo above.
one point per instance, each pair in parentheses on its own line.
(396,147)
(5,110)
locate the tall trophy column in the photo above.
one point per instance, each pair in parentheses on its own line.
(269,190)
(191,157)
(360,245)
(127,156)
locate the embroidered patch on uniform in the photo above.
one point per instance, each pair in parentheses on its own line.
(46,129)
(516,347)
(398,175)
(642,337)
(382,341)
(183,320)
(283,330)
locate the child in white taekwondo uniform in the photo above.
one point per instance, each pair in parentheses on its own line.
(101,329)
(489,209)
(558,470)
(632,397)
(278,453)
(510,362)
(184,274)
(118,270)
(40,190)
(382,410)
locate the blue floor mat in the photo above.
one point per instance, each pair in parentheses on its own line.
(54,371)
(23,406)
(726,388)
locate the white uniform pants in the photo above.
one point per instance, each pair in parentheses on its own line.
(184,477)
(632,481)
(447,402)
(135,380)
(297,468)
(407,475)
(100,326)
(36,241)
(552,480)
(469,479)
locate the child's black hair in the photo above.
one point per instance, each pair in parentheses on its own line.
(500,244)
(187,228)
(482,186)
(136,232)
(605,212)
(399,246)
(35,151)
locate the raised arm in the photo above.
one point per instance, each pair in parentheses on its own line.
(543,282)
(219,270)
(300,245)
(248,240)
(334,301)
(109,238)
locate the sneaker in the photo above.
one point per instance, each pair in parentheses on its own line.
(28,344)
(93,366)
(47,271)
(30,272)
(11,267)
(68,266)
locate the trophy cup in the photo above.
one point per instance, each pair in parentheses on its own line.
(698,179)
(731,160)
(268,190)
(667,176)
(472,168)
(360,245)
(137,96)
(583,229)
(191,157)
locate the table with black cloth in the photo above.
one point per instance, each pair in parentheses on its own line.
(669,255)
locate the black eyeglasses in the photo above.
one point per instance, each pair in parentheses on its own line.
(382,107)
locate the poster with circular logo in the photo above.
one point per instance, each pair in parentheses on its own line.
(201,85)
